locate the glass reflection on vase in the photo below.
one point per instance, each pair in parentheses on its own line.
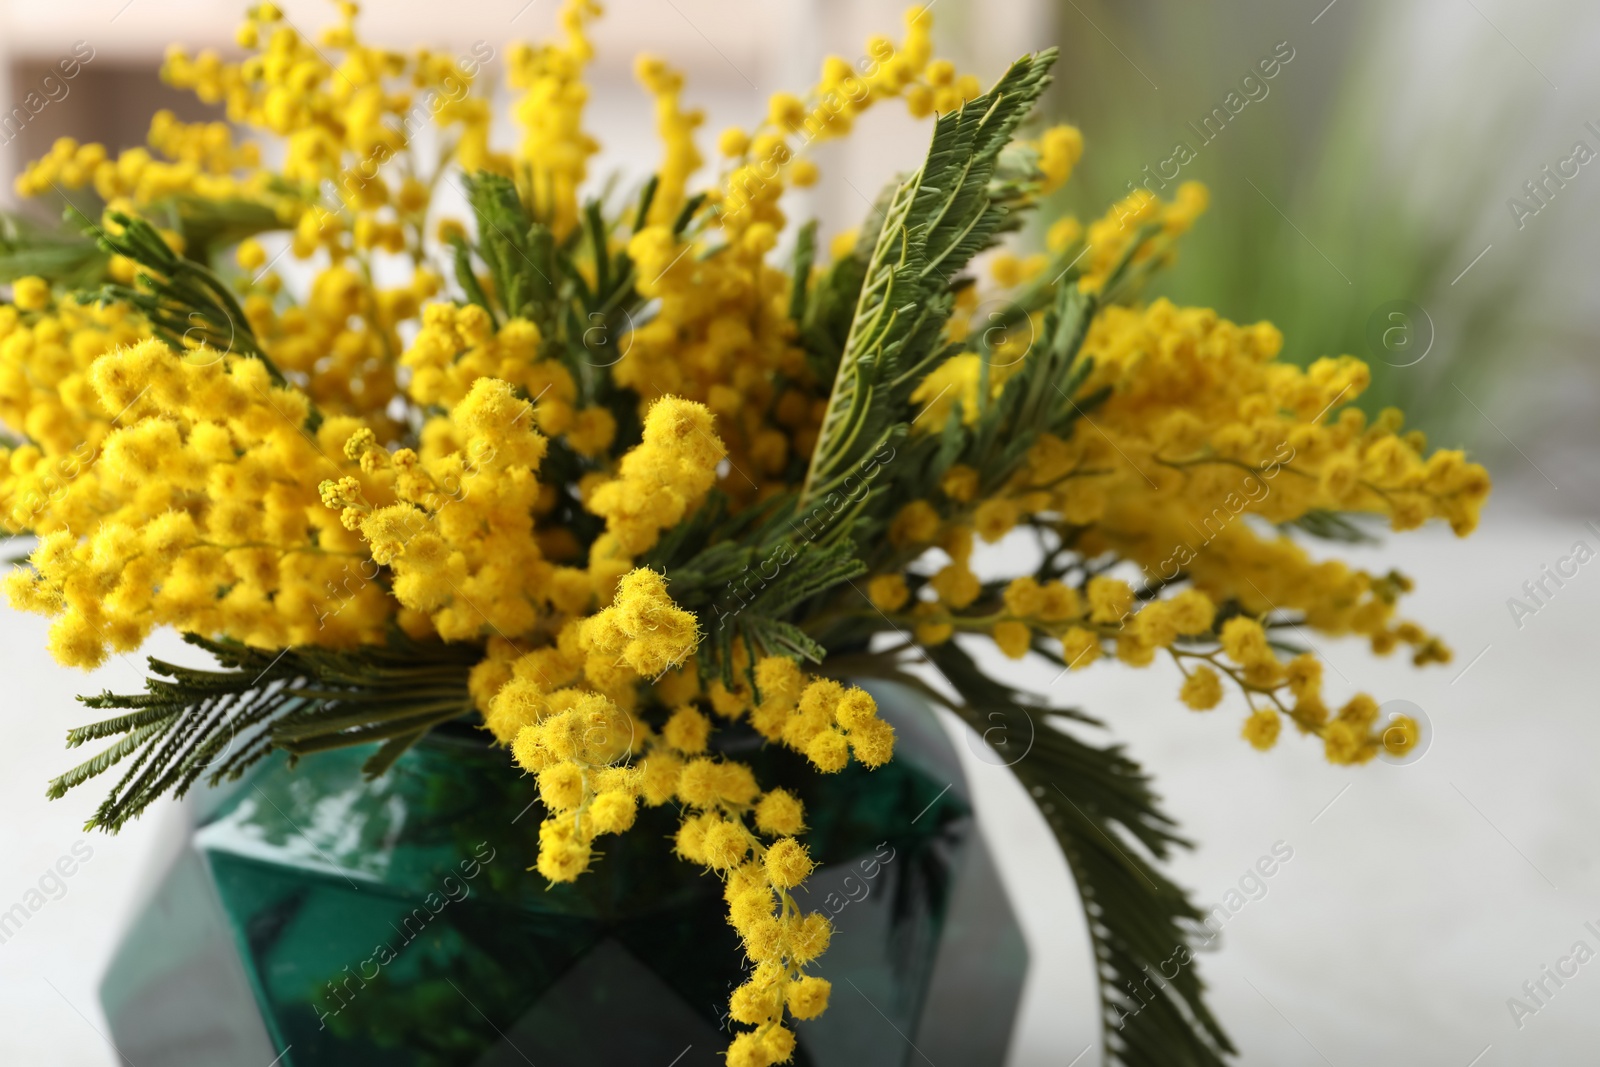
(322,919)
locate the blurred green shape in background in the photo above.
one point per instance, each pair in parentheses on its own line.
(1358,169)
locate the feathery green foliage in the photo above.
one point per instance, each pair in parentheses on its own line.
(936,222)
(1099,805)
(191,723)
(183,299)
(520,252)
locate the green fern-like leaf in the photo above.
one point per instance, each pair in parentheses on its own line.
(1099,805)
(936,222)
(184,301)
(520,252)
(751,590)
(831,304)
(191,723)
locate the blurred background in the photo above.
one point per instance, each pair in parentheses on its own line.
(1415,185)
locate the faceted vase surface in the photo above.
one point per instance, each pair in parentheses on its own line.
(315,918)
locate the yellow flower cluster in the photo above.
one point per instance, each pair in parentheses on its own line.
(460,471)
(956,382)
(341,342)
(643,628)
(567,711)
(1060,148)
(555,150)
(1197,402)
(1204,445)
(676,128)
(817,717)
(459,534)
(198,510)
(768,157)
(46,349)
(664,478)
(762,864)
(457,346)
(201,159)
(572,741)
(1124,227)
(341,123)
(1184,626)
(722,335)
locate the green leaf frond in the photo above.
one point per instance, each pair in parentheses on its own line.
(935,223)
(191,723)
(1101,809)
(183,299)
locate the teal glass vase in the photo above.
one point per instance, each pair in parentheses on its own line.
(315,918)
